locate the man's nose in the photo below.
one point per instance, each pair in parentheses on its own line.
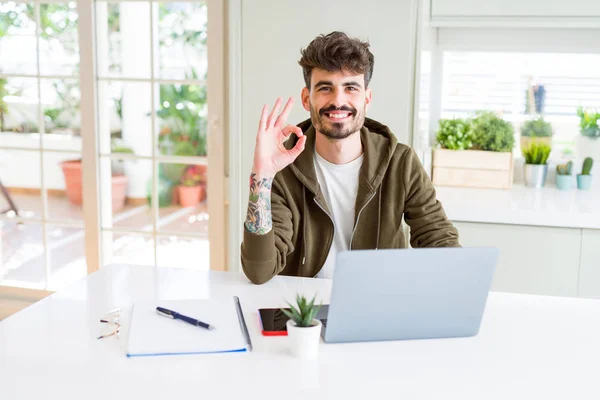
(339,99)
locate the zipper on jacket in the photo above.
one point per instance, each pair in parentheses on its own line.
(332,223)
(358,217)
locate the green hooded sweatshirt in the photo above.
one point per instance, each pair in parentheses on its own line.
(392,184)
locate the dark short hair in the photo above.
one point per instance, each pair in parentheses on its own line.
(337,52)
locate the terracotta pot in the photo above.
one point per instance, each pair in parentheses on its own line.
(119,192)
(202,192)
(189,196)
(73,181)
(74,186)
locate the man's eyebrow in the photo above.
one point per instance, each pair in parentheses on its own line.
(352,83)
(329,83)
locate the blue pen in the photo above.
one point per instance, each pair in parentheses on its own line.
(175,315)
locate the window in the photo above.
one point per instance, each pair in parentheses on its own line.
(151,95)
(499,81)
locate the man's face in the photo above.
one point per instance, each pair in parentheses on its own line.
(337,102)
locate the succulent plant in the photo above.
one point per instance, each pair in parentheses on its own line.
(305,313)
(565,169)
(587,166)
(537,153)
(589,123)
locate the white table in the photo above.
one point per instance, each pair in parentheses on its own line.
(529,347)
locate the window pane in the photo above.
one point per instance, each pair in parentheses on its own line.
(67,256)
(123,39)
(124,121)
(59,45)
(500,82)
(182,120)
(178,252)
(20,175)
(64,183)
(182,198)
(60,102)
(128,249)
(17,38)
(126,196)
(19,108)
(22,259)
(182,40)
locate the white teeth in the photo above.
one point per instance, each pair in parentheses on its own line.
(338,115)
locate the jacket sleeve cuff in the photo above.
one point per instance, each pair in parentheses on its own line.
(259,248)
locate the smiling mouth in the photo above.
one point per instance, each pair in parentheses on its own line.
(338,116)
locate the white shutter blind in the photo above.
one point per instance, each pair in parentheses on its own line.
(498,81)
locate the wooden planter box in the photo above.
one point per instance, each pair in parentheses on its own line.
(473,168)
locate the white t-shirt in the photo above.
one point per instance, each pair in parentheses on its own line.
(339,184)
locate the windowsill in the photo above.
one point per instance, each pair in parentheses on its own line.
(523,206)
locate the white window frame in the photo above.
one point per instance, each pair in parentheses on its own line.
(541,40)
(91,158)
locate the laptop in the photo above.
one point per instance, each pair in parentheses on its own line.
(400,294)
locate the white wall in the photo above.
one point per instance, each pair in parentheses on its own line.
(274,32)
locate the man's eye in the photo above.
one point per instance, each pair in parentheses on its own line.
(351,88)
(324,88)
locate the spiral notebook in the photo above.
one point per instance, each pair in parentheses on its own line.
(151,334)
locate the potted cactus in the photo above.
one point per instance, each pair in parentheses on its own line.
(564,176)
(536,167)
(304,331)
(584,180)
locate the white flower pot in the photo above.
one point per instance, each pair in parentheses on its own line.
(588,147)
(304,342)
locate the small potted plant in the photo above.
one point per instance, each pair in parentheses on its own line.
(588,142)
(537,130)
(304,331)
(474,152)
(564,176)
(536,167)
(190,188)
(584,180)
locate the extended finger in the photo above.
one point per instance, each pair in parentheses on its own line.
(271,119)
(286,111)
(263,118)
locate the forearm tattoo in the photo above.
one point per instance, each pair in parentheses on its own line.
(259,219)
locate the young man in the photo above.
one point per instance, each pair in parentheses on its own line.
(342,182)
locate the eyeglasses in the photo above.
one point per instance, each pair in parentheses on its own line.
(112,323)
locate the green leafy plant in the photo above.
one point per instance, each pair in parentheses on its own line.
(588,163)
(305,312)
(492,133)
(454,134)
(589,123)
(181,112)
(537,153)
(536,128)
(565,169)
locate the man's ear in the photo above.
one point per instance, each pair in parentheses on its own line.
(305,96)
(368,97)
